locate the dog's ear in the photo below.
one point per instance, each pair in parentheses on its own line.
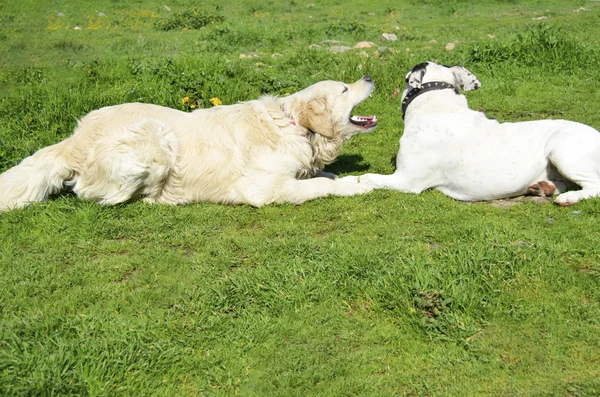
(414,78)
(316,118)
(465,79)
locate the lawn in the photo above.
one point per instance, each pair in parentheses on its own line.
(376,295)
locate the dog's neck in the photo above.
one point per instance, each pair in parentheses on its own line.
(293,121)
(431,86)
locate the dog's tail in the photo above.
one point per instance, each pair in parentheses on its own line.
(35,178)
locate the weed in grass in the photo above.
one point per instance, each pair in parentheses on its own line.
(542,45)
(194,18)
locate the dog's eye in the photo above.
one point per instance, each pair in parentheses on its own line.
(345,89)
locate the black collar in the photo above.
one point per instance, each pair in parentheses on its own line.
(415,92)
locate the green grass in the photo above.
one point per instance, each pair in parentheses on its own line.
(383,294)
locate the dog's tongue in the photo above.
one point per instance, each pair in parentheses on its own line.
(364,121)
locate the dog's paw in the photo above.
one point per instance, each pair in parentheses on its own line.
(542,189)
(349,179)
(569,198)
(362,189)
(351,189)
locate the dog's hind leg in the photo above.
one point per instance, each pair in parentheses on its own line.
(135,164)
(575,152)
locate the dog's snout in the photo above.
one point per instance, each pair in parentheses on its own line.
(367,78)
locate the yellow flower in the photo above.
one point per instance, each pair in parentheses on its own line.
(193,106)
(185,100)
(216,101)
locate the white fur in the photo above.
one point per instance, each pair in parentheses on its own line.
(255,153)
(447,146)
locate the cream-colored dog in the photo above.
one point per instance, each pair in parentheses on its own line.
(454,149)
(257,152)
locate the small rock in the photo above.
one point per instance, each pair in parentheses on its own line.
(311,5)
(249,55)
(276,55)
(382,49)
(339,48)
(388,37)
(450,46)
(76,28)
(432,41)
(542,17)
(576,212)
(491,36)
(314,46)
(581,9)
(60,14)
(167,8)
(364,44)
(101,14)
(550,220)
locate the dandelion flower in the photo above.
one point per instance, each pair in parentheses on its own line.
(193,106)
(216,101)
(185,100)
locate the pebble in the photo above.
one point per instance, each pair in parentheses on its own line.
(339,48)
(364,44)
(249,55)
(389,37)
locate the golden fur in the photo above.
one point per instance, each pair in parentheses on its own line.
(255,153)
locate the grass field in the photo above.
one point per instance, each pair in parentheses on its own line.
(378,295)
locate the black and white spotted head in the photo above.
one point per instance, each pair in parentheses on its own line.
(457,76)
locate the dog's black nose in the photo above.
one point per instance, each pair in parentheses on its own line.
(368,79)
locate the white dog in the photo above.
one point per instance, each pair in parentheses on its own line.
(467,156)
(257,152)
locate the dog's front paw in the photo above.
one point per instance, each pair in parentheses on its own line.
(349,179)
(358,189)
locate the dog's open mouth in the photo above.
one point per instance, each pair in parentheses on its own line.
(364,121)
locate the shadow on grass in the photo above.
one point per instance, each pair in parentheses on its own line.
(348,163)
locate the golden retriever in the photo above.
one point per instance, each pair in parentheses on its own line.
(270,150)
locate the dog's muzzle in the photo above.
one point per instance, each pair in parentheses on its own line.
(431,86)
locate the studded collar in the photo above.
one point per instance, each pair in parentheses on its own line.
(431,86)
